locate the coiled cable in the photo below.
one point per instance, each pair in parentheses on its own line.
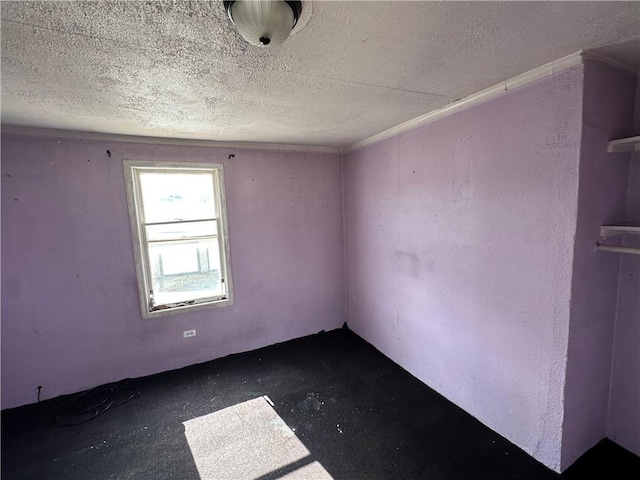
(86,406)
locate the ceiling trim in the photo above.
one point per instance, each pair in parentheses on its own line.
(474,99)
(180,142)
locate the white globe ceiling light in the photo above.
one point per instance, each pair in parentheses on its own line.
(264,22)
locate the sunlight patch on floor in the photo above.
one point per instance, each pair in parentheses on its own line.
(249,441)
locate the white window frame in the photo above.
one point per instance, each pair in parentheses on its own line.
(132,169)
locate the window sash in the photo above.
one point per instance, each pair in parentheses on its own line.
(205,232)
(187,301)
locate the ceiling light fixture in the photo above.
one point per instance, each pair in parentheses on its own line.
(264,22)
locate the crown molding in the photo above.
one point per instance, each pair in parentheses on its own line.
(474,99)
(109,137)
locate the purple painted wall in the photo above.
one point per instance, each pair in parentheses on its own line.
(624,403)
(607,115)
(70,314)
(459,239)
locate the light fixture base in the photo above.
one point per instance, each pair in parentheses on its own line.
(264,22)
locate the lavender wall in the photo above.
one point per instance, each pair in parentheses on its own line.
(70,314)
(607,115)
(624,405)
(459,239)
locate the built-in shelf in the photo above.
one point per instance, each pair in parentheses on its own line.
(620,229)
(631,144)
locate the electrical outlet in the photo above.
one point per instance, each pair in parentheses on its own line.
(189,333)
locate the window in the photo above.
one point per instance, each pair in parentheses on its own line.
(180,236)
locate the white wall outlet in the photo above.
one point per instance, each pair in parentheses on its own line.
(189,333)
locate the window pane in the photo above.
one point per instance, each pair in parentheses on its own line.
(175,231)
(185,271)
(169,196)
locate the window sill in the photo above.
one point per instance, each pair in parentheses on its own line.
(177,310)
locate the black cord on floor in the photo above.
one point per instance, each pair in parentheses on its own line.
(86,406)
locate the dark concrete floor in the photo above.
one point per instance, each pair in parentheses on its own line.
(358,414)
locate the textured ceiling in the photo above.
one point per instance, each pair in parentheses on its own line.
(349,71)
